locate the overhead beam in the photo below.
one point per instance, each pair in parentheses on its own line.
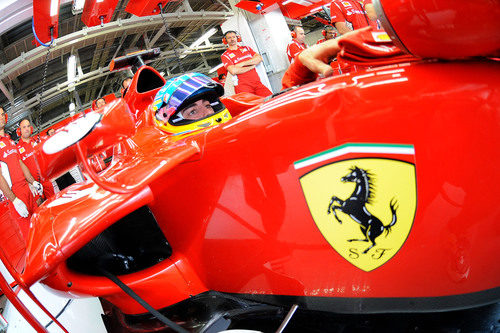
(6,92)
(224,5)
(158,35)
(90,76)
(87,36)
(146,40)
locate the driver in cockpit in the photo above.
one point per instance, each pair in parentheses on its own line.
(189,102)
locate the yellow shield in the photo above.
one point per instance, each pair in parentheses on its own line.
(364,207)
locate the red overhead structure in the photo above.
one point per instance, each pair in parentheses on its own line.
(97,12)
(294,9)
(146,7)
(45,20)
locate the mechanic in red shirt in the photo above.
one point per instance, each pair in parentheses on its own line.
(26,147)
(328,32)
(14,180)
(240,61)
(297,44)
(348,15)
(364,47)
(315,61)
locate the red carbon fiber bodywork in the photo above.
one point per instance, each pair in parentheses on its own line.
(442,29)
(233,210)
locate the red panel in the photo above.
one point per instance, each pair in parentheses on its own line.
(250,6)
(93,11)
(297,9)
(237,217)
(431,28)
(174,274)
(115,124)
(146,7)
(43,22)
(241,102)
(293,9)
(137,101)
(11,238)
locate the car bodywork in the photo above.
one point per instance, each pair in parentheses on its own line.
(362,193)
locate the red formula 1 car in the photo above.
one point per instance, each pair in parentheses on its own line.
(371,192)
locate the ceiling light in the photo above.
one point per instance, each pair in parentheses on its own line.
(54,7)
(77,6)
(71,72)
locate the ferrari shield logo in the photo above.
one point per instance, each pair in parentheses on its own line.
(364,206)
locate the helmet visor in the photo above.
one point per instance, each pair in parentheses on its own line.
(186,86)
(204,104)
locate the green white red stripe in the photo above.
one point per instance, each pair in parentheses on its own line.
(355,148)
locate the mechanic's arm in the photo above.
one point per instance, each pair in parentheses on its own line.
(6,189)
(19,205)
(370,11)
(26,172)
(239,69)
(316,58)
(342,28)
(256,59)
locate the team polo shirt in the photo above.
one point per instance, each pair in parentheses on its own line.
(10,156)
(294,48)
(351,12)
(27,152)
(297,74)
(234,57)
(321,41)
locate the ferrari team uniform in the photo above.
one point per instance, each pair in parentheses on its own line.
(294,48)
(13,174)
(321,41)
(27,150)
(351,12)
(248,81)
(367,49)
(297,74)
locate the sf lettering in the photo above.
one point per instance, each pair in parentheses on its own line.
(355,253)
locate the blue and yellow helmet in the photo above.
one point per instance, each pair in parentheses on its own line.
(179,93)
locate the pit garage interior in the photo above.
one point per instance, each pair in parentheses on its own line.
(36,84)
(34,79)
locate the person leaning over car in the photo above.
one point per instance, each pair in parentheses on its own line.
(315,61)
(349,15)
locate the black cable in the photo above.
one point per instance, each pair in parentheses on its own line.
(60,312)
(44,76)
(142,302)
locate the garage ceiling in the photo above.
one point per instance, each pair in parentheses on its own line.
(22,64)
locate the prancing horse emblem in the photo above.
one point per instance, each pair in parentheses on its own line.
(355,207)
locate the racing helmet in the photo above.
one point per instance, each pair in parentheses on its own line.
(181,92)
